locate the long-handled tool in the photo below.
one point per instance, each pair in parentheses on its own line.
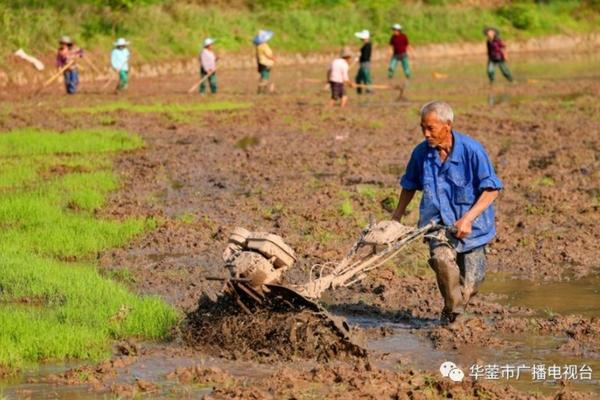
(113,77)
(204,78)
(55,76)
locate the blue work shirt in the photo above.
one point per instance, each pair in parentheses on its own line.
(119,59)
(452,187)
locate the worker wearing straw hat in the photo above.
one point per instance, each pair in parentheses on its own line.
(66,60)
(208,66)
(399,49)
(264,58)
(119,60)
(338,78)
(363,76)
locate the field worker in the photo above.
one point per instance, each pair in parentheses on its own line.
(337,76)
(497,56)
(67,55)
(363,77)
(265,59)
(119,59)
(208,66)
(399,49)
(459,186)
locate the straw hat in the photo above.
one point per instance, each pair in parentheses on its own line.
(489,28)
(364,34)
(345,53)
(397,27)
(208,42)
(65,40)
(121,42)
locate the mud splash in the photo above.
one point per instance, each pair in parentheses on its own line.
(221,328)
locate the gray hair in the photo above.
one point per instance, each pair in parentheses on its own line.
(441,109)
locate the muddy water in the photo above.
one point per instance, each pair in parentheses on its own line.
(407,348)
(579,297)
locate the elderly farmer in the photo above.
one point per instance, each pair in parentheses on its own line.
(496,51)
(399,49)
(119,59)
(363,77)
(337,76)
(459,186)
(66,58)
(264,58)
(208,66)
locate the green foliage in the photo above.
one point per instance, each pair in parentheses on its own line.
(521,16)
(52,185)
(163,29)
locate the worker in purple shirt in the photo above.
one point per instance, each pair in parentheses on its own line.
(459,186)
(497,55)
(66,60)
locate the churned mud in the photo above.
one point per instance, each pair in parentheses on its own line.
(222,328)
(313,175)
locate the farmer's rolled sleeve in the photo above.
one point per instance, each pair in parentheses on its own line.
(450,189)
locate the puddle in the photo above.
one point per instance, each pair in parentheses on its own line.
(152,368)
(407,347)
(580,297)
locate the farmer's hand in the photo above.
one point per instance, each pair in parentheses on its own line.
(463,227)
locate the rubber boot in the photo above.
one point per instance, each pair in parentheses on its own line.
(448,279)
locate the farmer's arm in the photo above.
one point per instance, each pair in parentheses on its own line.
(410,182)
(464,225)
(406,197)
(487,183)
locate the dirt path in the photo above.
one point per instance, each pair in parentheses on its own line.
(288,165)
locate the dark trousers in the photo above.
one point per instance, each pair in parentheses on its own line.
(71,80)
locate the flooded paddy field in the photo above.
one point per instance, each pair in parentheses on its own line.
(288,164)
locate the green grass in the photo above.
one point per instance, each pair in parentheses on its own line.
(162,29)
(52,187)
(170,108)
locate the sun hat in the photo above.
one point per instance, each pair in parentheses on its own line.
(66,40)
(345,53)
(208,42)
(364,34)
(489,28)
(397,27)
(121,42)
(263,36)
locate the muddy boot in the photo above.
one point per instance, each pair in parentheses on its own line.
(448,279)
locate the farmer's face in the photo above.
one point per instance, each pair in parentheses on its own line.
(435,131)
(490,34)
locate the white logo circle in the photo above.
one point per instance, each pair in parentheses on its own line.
(456,375)
(446,367)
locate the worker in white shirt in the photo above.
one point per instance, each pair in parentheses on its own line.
(208,66)
(337,76)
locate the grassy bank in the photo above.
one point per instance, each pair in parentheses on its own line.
(54,304)
(161,29)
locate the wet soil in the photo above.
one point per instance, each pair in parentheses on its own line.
(223,329)
(312,174)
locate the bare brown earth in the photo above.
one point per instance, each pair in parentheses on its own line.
(288,163)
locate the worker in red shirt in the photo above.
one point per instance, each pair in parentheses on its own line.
(497,56)
(399,49)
